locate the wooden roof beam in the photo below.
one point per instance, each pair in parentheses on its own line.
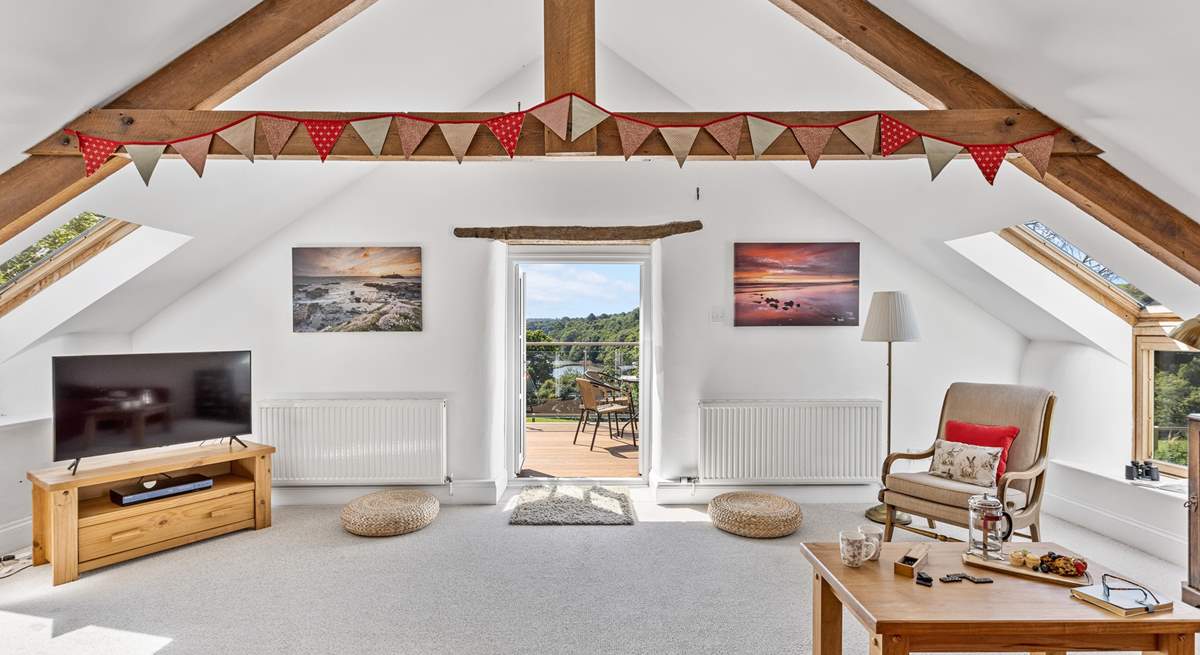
(936,80)
(971,126)
(209,73)
(570,62)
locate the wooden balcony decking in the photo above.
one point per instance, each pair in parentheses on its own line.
(549,452)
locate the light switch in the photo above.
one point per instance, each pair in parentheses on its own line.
(717,314)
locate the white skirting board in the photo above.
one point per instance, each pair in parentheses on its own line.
(16,535)
(674,493)
(466,492)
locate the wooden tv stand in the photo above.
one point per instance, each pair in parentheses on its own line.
(77,528)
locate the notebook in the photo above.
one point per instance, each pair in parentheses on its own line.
(1120,602)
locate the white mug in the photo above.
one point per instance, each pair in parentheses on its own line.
(874,534)
(856,548)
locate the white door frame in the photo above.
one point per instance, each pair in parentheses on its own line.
(515,335)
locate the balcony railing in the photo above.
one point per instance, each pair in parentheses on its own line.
(552,366)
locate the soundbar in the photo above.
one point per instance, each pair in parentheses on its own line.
(140,492)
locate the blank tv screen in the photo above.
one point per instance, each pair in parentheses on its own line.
(112,403)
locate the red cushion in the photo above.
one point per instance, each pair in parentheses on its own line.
(990,436)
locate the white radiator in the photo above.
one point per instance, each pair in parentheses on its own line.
(790,441)
(355,441)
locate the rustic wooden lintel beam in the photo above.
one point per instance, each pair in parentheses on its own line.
(578,233)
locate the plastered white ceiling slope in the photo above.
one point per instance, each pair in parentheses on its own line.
(59,59)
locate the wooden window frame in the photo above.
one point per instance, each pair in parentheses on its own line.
(70,257)
(1150,336)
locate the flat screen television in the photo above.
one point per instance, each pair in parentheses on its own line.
(112,403)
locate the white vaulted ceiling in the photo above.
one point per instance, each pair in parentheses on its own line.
(1108,73)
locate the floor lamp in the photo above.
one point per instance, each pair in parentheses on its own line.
(890,318)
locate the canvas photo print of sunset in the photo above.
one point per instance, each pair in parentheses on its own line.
(795,284)
(356,289)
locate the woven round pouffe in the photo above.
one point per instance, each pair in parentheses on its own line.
(388,513)
(754,514)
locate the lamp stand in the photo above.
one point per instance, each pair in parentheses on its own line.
(878,513)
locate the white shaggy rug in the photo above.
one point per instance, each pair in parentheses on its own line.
(573,505)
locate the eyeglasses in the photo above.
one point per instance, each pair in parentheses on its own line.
(1146,593)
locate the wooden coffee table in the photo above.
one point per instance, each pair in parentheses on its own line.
(1010,615)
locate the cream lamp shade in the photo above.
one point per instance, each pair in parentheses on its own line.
(890,318)
(1188,332)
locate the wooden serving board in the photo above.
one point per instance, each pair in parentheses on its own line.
(1024,572)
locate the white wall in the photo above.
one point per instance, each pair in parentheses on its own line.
(248,304)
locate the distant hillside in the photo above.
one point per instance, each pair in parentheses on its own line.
(604,327)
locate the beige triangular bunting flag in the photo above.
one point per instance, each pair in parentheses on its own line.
(458,137)
(373,132)
(412,132)
(633,135)
(813,140)
(728,133)
(554,115)
(194,152)
(762,134)
(145,158)
(939,153)
(679,140)
(584,116)
(1037,151)
(277,131)
(862,133)
(241,137)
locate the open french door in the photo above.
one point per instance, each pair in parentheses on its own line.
(523,387)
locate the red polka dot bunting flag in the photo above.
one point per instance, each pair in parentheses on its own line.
(893,135)
(324,134)
(989,158)
(507,129)
(95,152)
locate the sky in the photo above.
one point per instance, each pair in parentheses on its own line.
(363,262)
(557,290)
(795,263)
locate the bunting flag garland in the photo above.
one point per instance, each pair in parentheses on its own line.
(763,133)
(554,115)
(241,137)
(277,131)
(893,135)
(1037,151)
(679,140)
(813,140)
(194,152)
(939,153)
(373,132)
(861,133)
(507,129)
(571,115)
(584,116)
(989,157)
(324,134)
(728,133)
(145,158)
(633,135)
(459,137)
(412,132)
(95,152)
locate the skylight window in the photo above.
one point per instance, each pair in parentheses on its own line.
(1090,263)
(49,245)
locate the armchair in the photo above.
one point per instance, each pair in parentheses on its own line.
(921,493)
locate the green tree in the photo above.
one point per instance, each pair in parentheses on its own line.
(57,238)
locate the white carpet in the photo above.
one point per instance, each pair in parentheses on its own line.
(470,583)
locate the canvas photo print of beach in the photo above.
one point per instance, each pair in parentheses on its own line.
(356,289)
(795,284)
